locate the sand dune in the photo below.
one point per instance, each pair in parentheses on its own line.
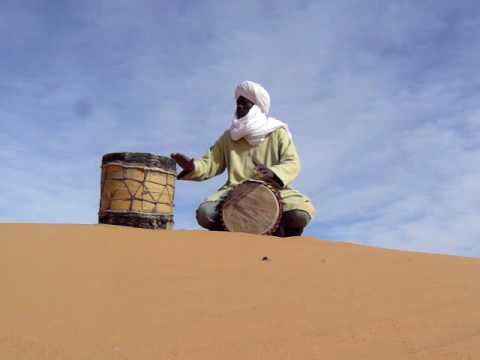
(106,292)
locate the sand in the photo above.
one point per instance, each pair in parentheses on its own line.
(108,292)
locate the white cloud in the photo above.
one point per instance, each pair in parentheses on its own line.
(382,98)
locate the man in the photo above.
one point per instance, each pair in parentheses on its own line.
(255,146)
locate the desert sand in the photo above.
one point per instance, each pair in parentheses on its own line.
(109,292)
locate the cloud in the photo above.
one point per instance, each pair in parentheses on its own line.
(382,98)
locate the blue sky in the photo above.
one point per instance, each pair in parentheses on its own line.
(382,98)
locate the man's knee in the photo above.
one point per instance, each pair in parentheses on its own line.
(296,219)
(293,222)
(207,215)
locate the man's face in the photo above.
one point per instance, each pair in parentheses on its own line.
(243,107)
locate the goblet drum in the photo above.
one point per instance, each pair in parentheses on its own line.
(252,207)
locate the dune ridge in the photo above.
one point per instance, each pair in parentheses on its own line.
(109,292)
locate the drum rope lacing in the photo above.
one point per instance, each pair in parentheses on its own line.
(142,185)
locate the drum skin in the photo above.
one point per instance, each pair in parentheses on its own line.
(252,207)
(137,189)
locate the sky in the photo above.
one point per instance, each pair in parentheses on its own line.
(382,98)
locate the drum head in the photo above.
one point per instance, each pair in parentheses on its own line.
(252,207)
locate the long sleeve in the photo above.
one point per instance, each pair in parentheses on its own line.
(288,167)
(211,164)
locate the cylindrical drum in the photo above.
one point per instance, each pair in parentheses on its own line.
(137,189)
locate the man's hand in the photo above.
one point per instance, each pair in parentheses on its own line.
(184,162)
(268,175)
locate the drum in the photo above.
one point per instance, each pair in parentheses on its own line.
(137,189)
(252,207)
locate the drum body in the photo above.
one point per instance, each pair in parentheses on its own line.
(252,207)
(137,189)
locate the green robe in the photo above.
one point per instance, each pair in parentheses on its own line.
(277,152)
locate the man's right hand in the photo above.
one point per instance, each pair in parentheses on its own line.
(185,162)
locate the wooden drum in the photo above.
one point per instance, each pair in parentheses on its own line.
(137,189)
(252,207)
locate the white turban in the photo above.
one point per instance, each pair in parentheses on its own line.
(255,93)
(256,125)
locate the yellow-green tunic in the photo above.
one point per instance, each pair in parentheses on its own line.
(277,152)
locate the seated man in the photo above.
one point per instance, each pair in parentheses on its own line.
(254,147)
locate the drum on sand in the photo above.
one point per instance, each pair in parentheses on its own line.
(252,207)
(137,189)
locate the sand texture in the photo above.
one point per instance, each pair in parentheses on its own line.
(108,292)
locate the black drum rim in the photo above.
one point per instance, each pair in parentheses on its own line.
(140,158)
